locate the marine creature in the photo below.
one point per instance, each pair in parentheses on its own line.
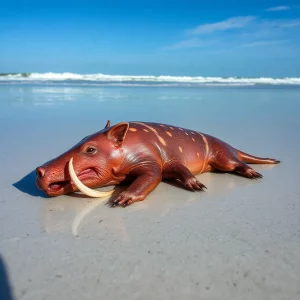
(142,154)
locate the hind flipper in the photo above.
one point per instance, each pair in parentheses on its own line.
(247,171)
(225,161)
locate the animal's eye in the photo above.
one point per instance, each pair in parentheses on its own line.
(90,150)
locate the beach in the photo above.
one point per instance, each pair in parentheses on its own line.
(239,239)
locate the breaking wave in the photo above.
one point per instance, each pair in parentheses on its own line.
(125,79)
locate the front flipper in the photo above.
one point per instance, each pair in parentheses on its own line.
(176,170)
(145,182)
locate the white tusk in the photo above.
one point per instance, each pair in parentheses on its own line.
(83,188)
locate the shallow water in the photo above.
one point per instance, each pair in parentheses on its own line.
(240,239)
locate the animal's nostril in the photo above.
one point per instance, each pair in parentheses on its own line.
(40,172)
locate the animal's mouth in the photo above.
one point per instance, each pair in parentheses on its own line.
(57,186)
(66,186)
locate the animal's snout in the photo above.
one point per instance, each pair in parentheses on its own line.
(40,172)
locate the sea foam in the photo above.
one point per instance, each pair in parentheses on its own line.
(104,78)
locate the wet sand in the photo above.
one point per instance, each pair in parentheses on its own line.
(238,240)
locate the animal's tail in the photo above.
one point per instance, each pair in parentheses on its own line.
(247,158)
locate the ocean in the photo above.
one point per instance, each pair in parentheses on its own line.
(156,98)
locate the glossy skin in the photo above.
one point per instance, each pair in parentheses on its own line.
(144,154)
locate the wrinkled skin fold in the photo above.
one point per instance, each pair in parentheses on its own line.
(83,188)
(141,154)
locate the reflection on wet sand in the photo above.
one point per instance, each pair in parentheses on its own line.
(84,212)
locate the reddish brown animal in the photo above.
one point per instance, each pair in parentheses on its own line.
(144,154)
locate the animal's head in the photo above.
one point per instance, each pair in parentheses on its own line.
(94,159)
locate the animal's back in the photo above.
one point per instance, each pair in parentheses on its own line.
(189,147)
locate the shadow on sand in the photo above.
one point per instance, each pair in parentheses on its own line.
(27,185)
(5,288)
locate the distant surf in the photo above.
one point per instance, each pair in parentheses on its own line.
(144,80)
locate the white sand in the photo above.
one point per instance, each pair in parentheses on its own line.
(238,240)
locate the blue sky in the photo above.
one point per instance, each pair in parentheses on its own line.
(205,38)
